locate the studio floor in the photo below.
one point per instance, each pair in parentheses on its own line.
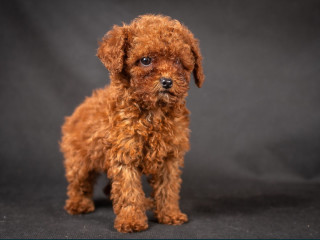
(217,209)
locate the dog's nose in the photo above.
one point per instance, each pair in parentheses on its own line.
(166,83)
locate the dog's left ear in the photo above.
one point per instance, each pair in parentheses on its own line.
(198,70)
(111,49)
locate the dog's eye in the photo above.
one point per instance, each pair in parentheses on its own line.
(145,61)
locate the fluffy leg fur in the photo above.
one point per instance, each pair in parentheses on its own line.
(80,189)
(166,188)
(128,198)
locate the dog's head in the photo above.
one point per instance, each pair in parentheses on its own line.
(155,56)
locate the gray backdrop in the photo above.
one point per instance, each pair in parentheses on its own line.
(254,165)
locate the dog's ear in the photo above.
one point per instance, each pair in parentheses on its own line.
(197,71)
(111,49)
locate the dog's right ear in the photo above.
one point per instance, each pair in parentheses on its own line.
(111,49)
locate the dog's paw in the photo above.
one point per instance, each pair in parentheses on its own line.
(132,225)
(78,206)
(173,218)
(133,221)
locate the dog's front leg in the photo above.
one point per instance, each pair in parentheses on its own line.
(166,188)
(128,198)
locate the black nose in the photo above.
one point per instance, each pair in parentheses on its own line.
(166,83)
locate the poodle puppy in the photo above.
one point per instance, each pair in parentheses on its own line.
(136,125)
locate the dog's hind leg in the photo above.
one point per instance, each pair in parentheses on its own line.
(80,189)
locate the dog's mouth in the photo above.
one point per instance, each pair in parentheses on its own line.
(167,92)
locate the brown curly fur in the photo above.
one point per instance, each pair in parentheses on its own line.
(132,127)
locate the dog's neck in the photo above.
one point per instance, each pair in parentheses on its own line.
(160,106)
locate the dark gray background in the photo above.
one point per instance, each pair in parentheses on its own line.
(254,165)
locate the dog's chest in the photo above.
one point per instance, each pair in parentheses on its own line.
(159,128)
(148,139)
(164,136)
